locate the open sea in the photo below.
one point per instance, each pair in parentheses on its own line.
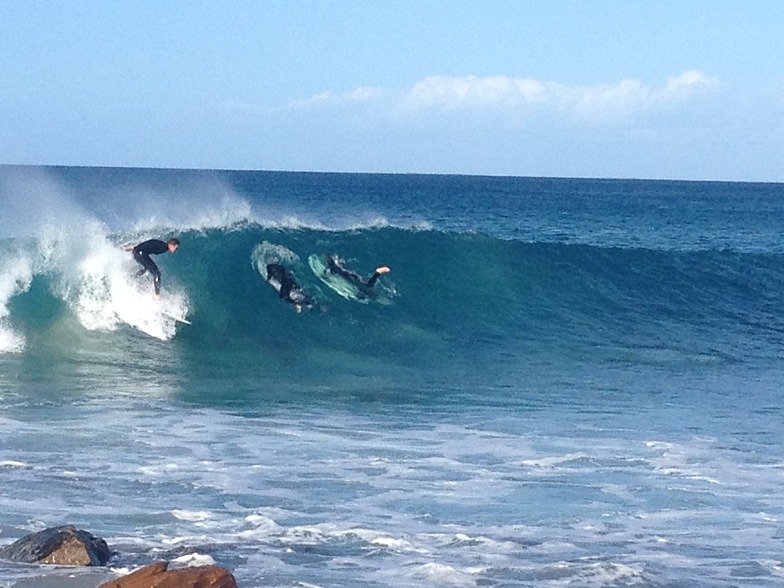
(561,382)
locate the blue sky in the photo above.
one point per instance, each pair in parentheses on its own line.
(687,89)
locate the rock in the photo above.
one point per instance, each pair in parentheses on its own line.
(65,546)
(158,575)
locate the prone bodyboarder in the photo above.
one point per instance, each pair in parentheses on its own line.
(335,267)
(287,287)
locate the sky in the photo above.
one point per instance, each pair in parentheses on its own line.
(682,89)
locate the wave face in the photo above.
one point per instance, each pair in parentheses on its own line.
(453,303)
(459,304)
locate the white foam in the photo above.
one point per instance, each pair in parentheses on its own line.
(390,543)
(175,540)
(191,515)
(608,573)
(304,535)
(376,538)
(552,461)
(90,273)
(16,275)
(444,575)
(776,568)
(96,279)
(10,340)
(263,525)
(194,559)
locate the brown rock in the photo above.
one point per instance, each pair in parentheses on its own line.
(65,546)
(158,575)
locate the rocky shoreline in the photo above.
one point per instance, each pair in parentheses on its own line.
(76,548)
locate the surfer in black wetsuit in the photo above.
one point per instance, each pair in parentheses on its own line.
(142,252)
(334,267)
(288,289)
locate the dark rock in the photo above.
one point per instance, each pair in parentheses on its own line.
(65,546)
(158,575)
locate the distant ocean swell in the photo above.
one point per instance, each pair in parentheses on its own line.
(447,294)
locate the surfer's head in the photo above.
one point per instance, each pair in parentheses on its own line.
(173,244)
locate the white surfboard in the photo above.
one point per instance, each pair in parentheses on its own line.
(177,318)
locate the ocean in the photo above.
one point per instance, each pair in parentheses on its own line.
(561,382)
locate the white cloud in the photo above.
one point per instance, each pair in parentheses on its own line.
(365,94)
(524,96)
(520,98)
(689,82)
(474,91)
(315,101)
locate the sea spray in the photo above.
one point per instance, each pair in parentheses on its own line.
(16,274)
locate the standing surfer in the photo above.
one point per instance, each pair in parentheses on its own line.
(142,252)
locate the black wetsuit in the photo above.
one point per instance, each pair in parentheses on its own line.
(142,252)
(288,289)
(334,267)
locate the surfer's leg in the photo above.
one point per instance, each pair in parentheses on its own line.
(138,257)
(376,275)
(144,260)
(157,281)
(148,265)
(141,259)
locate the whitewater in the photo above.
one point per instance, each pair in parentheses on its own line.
(561,382)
